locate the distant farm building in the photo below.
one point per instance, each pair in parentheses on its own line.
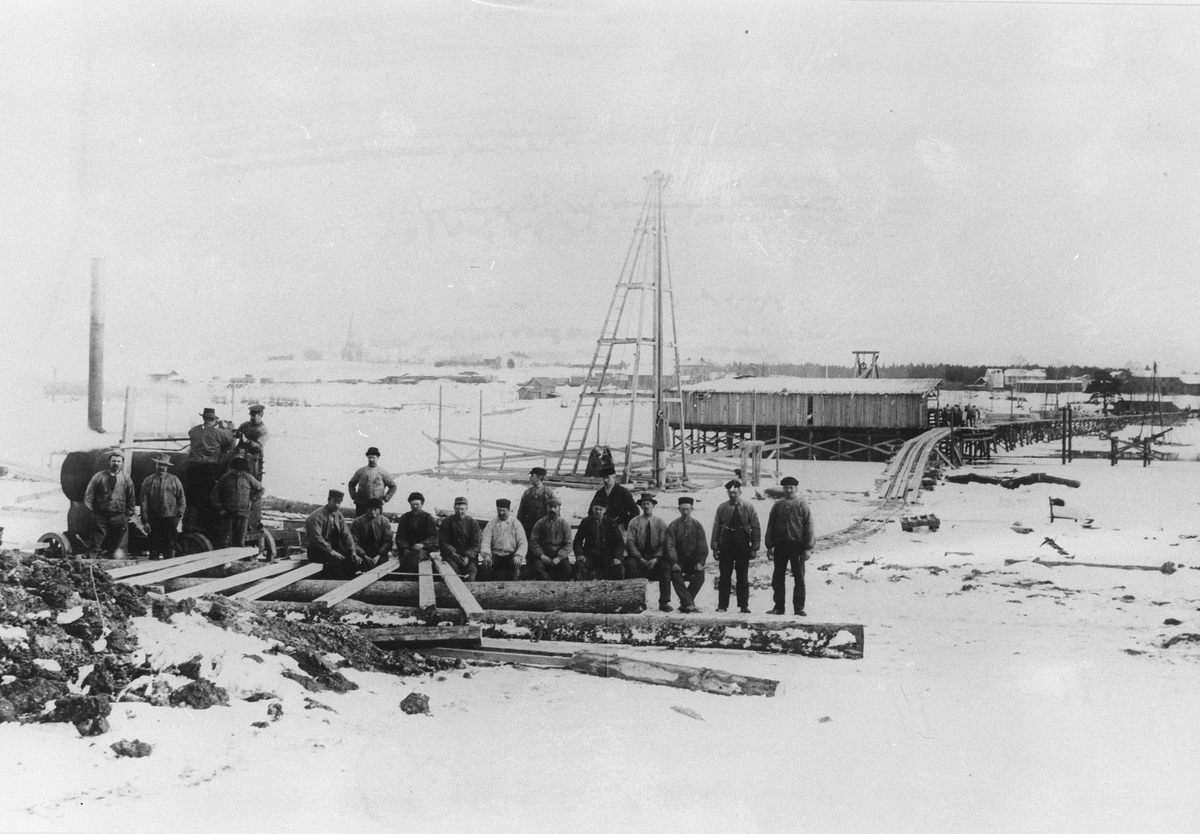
(826,419)
(540,388)
(169,376)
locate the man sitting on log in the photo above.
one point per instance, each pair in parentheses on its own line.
(736,536)
(372,534)
(232,497)
(109,497)
(551,552)
(646,556)
(789,541)
(687,545)
(600,545)
(328,539)
(371,481)
(416,534)
(621,508)
(503,547)
(458,541)
(534,501)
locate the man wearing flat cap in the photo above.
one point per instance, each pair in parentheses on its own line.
(789,541)
(163,505)
(736,537)
(534,500)
(599,545)
(232,497)
(416,534)
(110,499)
(209,443)
(646,556)
(371,481)
(459,541)
(687,546)
(621,508)
(328,538)
(503,547)
(252,439)
(372,535)
(551,552)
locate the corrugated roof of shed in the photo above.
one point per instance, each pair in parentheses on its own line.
(815,385)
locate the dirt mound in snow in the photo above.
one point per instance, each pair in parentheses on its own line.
(68,646)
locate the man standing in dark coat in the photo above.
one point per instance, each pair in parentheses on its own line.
(372,534)
(736,536)
(163,505)
(252,441)
(328,538)
(687,546)
(416,534)
(458,541)
(233,496)
(622,509)
(789,541)
(209,443)
(600,545)
(109,497)
(534,500)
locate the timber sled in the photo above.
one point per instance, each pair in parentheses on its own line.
(908,523)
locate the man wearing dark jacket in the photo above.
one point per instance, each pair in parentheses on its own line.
(736,537)
(209,443)
(646,549)
(163,505)
(458,541)
(328,538)
(372,534)
(534,501)
(416,534)
(600,545)
(232,496)
(551,554)
(109,497)
(621,508)
(789,541)
(687,545)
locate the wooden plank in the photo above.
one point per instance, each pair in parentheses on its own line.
(217,585)
(270,586)
(352,586)
(546,659)
(700,679)
(458,588)
(148,566)
(468,636)
(426,598)
(211,559)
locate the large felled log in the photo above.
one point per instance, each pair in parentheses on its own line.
(409,637)
(833,640)
(626,596)
(670,674)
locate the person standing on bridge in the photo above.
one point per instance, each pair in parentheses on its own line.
(789,541)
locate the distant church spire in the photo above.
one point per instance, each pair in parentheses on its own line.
(353,350)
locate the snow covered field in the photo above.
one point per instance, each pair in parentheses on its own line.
(996,694)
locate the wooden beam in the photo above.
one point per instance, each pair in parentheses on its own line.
(270,586)
(457,587)
(1166,567)
(700,679)
(350,587)
(406,637)
(215,586)
(216,557)
(554,660)
(147,565)
(426,597)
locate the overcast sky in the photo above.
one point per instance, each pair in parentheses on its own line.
(951,181)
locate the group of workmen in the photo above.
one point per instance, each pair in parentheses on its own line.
(221,494)
(621,538)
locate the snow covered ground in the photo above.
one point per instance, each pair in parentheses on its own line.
(996,694)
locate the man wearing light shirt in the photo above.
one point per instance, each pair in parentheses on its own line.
(504,545)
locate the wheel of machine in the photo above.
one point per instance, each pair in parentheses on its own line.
(56,547)
(266,545)
(190,543)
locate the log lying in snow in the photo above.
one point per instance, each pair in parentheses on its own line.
(670,674)
(626,596)
(832,640)
(1166,567)
(410,637)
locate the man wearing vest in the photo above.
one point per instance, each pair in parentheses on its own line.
(328,538)
(645,546)
(110,498)
(736,537)
(163,506)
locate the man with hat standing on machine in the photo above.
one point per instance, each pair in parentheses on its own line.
(458,541)
(328,539)
(687,546)
(789,541)
(163,506)
(551,552)
(416,534)
(599,545)
(209,442)
(534,501)
(504,545)
(372,534)
(371,481)
(109,497)
(232,496)
(621,508)
(252,439)
(646,556)
(736,537)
